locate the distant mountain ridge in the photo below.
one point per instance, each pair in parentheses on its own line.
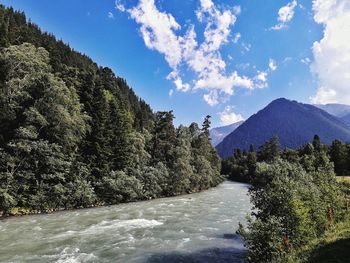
(294,123)
(338,110)
(219,133)
(341,111)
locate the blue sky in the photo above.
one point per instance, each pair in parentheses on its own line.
(226,58)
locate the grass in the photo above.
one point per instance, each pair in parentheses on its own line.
(333,247)
(342,179)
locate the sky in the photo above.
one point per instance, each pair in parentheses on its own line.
(225,58)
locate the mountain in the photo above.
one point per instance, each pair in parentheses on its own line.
(294,123)
(219,133)
(346,119)
(341,111)
(338,110)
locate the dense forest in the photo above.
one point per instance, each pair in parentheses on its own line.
(72,134)
(295,195)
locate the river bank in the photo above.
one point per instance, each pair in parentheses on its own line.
(22,211)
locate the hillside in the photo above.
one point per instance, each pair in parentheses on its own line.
(294,123)
(218,134)
(72,65)
(73,134)
(346,118)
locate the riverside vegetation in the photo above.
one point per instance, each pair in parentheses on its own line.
(298,203)
(72,134)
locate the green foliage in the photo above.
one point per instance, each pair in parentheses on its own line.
(119,187)
(340,156)
(206,125)
(270,150)
(164,138)
(296,199)
(332,247)
(73,134)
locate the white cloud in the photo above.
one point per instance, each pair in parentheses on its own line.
(236,38)
(261,79)
(243,66)
(272,64)
(246,47)
(171,92)
(228,116)
(279,26)
(184,54)
(305,61)
(285,15)
(332,53)
(286,60)
(180,85)
(212,98)
(237,10)
(157,30)
(262,76)
(119,6)
(110,15)
(218,25)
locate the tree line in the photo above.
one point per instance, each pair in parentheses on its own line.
(241,165)
(295,195)
(72,134)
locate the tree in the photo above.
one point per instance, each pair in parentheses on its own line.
(270,150)
(119,187)
(182,169)
(338,154)
(316,143)
(206,126)
(43,126)
(291,207)
(164,138)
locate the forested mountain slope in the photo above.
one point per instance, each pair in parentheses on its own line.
(72,134)
(293,123)
(346,119)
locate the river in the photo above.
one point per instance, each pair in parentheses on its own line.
(192,228)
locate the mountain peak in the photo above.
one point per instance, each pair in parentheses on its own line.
(293,122)
(280,100)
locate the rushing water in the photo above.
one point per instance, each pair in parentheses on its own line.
(192,228)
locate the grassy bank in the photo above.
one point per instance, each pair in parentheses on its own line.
(333,247)
(343,179)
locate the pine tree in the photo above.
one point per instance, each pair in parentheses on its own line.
(206,126)
(164,138)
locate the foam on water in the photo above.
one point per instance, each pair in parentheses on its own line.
(189,226)
(73,255)
(112,225)
(127,224)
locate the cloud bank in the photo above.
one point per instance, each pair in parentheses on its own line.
(331,62)
(185,55)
